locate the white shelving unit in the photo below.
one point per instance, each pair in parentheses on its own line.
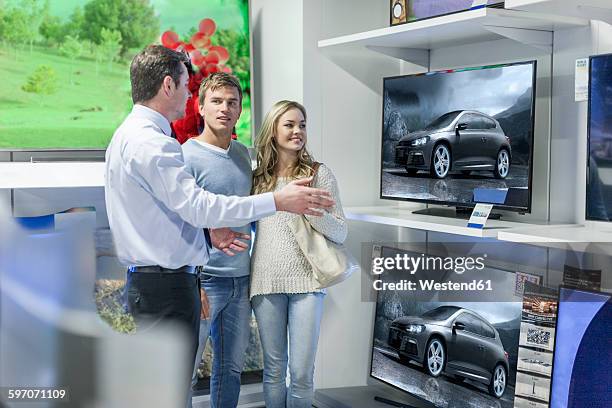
(587,9)
(543,235)
(411,42)
(529,22)
(555,234)
(51,175)
(401,217)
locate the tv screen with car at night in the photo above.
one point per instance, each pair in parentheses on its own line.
(458,137)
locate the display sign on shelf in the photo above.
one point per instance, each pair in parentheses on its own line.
(480,215)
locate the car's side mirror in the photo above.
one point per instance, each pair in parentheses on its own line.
(462,126)
(458,326)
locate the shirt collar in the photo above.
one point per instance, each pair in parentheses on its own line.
(213,147)
(154,116)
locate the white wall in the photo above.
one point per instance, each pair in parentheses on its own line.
(277,58)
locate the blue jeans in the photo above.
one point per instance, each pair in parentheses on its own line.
(229,323)
(296,318)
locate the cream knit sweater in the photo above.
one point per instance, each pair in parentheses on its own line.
(277,263)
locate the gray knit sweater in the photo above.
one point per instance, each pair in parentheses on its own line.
(277,264)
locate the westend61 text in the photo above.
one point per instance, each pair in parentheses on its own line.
(429,285)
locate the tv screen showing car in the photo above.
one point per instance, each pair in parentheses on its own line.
(458,137)
(581,369)
(450,353)
(422,9)
(599,174)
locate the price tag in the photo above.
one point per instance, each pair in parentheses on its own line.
(480,215)
(582,80)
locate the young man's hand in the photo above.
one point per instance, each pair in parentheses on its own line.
(296,198)
(228,240)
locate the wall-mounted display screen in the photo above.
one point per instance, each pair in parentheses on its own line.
(420,9)
(459,354)
(65,64)
(581,371)
(457,137)
(599,174)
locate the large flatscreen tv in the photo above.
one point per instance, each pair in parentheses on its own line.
(423,9)
(583,350)
(461,136)
(599,164)
(452,354)
(65,64)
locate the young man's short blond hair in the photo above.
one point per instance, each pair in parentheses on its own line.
(216,81)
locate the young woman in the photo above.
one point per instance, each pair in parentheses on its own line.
(287,305)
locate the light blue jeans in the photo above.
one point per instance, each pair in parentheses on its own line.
(229,324)
(289,330)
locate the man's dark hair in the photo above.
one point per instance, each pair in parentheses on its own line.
(149,68)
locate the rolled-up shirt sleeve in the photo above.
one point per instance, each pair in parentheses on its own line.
(157,165)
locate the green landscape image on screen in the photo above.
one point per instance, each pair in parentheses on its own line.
(64,64)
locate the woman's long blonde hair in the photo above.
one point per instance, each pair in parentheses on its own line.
(264,177)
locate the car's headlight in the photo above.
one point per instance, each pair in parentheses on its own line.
(415,328)
(420,141)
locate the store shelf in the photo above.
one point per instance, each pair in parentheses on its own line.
(555,234)
(51,175)
(588,9)
(468,27)
(406,218)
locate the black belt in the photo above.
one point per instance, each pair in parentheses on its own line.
(161,269)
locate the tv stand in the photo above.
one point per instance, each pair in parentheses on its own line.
(393,403)
(367,397)
(458,212)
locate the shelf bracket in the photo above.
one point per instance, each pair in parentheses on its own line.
(416,56)
(540,39)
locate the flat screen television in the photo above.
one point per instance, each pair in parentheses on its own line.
(599,164)
(65,64)
(452,354)
(423,9)
(583,350)
(461,136)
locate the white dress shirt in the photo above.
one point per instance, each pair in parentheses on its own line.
(155,209)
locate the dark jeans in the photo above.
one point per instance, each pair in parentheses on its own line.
(156,297)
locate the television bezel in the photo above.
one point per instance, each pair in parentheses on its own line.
(521,210)
(588,156)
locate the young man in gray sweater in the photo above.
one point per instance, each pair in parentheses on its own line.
(222,166)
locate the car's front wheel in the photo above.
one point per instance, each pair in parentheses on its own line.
(502,165)
(440,161)
(435,357)
(497,387)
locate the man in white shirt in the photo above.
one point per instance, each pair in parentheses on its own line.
(157,212)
